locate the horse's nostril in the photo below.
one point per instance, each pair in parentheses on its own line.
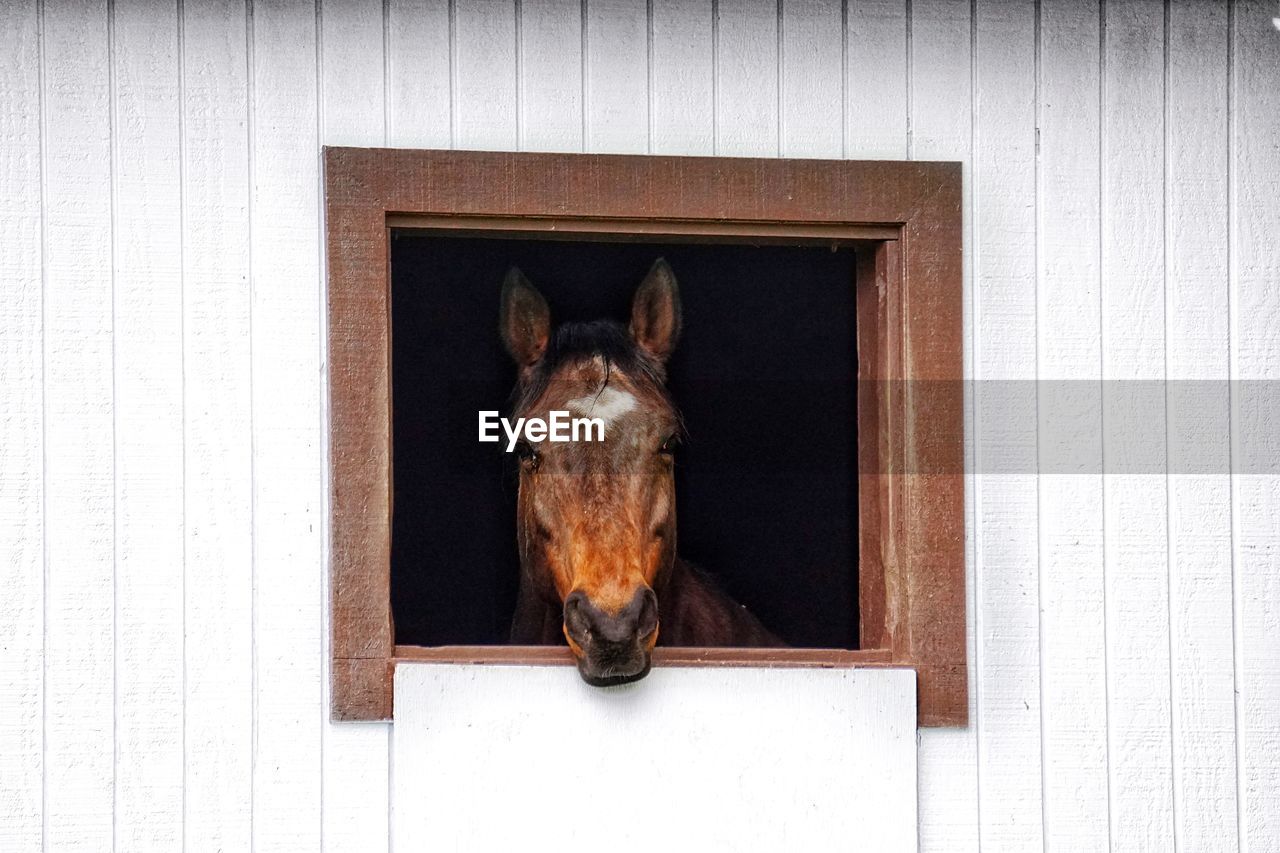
(647,622)
(577,617)
(587,625)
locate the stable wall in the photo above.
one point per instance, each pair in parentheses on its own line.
(162,460)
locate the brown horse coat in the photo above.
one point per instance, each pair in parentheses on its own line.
(596,524)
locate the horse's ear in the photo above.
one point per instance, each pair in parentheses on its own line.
(655,312)
(524,320)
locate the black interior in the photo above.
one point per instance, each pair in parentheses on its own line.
(764,375)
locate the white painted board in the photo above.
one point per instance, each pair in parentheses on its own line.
(1255,440)
(78,793)
(285,379)
(941,117)
(1072,563)
(497,758)
(1006,614)
(1134,408)
(218,706)
(876,70)
(149,533)
(746,78)
(122,242)
(354,110)
(1197,334)
(22,427)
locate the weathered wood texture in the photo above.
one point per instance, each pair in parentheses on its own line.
(1135,505)
(1198,297)
(1255,358)
(22,486)
(1069,347)
(80,466)
(984,83)
(218,440)
(662,656)
(355,99)
(918,544)
(288,489)
(940,94)
(1006,610)
(148,394)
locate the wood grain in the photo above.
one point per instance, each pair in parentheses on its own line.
(746,78)
(924,588)
(355,806)
(617,77)
(550,75)
(1255,364)
(218,444)
(873,289)
(1006,613)
(79,436)
(1068,338)
(485,114)
(681,78)
(662,656)
(419,72)
(149,532)
(22,487)
(876,116)
(1197,335)
(57,483)
(1135,496)
(811,79)
(941,120)
(288,488)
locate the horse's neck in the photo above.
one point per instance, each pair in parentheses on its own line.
(692,609)
(695,612)
(536,621)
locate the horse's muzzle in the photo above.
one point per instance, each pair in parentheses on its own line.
(610,675)
(611,648)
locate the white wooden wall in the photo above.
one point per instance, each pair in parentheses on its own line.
(700,759)
(162,394)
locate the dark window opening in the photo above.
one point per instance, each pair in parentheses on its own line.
(765,376)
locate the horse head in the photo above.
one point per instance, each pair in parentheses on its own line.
(596,527)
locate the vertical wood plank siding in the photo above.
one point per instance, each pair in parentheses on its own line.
(941,118)
(1197,338)
(355,109)
(149,538)
(81,523)
(1135,505)
(163,627)
(22,612)
(288,486)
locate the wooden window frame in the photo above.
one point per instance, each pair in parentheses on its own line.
(904,217)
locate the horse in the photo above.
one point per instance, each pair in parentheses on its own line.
(596,520)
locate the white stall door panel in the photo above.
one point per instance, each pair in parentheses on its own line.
(497,758)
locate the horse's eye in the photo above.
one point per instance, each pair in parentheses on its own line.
(529,457)
(669,446)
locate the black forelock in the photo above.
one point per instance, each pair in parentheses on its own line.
(574,342)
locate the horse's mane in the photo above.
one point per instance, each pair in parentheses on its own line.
(604,339)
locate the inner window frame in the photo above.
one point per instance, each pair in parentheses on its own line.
(904,220)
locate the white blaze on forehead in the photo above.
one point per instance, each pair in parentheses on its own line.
(609,405)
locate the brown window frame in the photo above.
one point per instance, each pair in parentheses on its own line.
(904,218)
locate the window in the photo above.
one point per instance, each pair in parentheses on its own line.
(415,234)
